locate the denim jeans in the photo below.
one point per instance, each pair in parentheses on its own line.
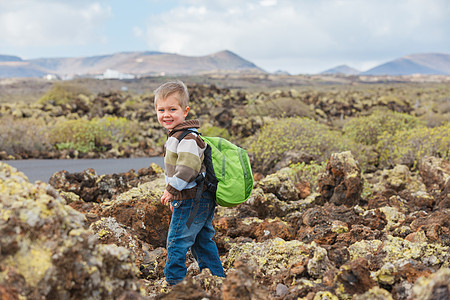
(198,237)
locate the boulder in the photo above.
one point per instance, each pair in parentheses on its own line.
(93,188)
(239,284)
(46,253)
(342,183)
(280,184)
(435,173)
(355,277)
(140,211)
(435,226)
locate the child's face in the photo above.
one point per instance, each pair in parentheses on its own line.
(169,112)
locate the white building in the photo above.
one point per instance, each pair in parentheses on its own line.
(114,74)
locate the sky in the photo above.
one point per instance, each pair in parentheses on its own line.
(297,36)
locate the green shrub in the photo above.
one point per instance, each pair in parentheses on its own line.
(93,135)
(368,129)
(299,134)
(62,93)
(432,119)
(280,107)
(209,130)
(23,136)
(81,135)
(119,130)
(408,147)
(367,192)
(307,172)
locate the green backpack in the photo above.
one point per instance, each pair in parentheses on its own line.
(228,171)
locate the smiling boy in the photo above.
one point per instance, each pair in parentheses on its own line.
(183,163)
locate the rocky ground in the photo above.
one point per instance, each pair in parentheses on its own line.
(240,113)
(382,234)
(84,236)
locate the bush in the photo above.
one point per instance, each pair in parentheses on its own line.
(408,147)
(62,93)
(80,135)
(368,129)
(302,172)
(23,136)
(432,119)
(209,130)
(280,107)
(119,130)
(300,134)
(94,135)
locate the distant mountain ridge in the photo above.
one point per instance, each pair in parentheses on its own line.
(421,63)
(153,63)
(342,69)
(134,63)
(9,58)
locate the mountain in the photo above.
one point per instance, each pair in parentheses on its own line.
(423,63)
(131,63)
(20,69)
(151,63)
(9,58)
(14,66)
(342,69)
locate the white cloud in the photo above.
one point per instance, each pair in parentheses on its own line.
(268,2)
(351,31)
(51,23)
(298,36)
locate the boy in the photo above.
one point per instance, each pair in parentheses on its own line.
(183,162)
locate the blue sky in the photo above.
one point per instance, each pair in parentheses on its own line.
(298,36)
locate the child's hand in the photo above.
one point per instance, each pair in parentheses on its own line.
(166,197)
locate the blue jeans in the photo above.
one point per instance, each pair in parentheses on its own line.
(198,237)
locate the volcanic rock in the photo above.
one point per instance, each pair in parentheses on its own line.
(46,253)
(386,243)
(435,173)
(342,182)
(93,188)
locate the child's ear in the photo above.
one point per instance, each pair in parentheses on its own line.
(186,111)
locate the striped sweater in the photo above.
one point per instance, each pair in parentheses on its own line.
(183,160)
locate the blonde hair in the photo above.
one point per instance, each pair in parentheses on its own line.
(172,87)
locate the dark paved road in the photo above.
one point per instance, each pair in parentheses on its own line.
(43,169)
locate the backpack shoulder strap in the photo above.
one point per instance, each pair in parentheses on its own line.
(200,180)
(185,133)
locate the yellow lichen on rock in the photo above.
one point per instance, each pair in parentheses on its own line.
(325,295)
(31,261)
(339,227)
(157,168)
(151,191)
(375,293)
(393,216)
(44,241)
(398,249)
(433,286)
(363,248)
(386,275)
(272,255)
